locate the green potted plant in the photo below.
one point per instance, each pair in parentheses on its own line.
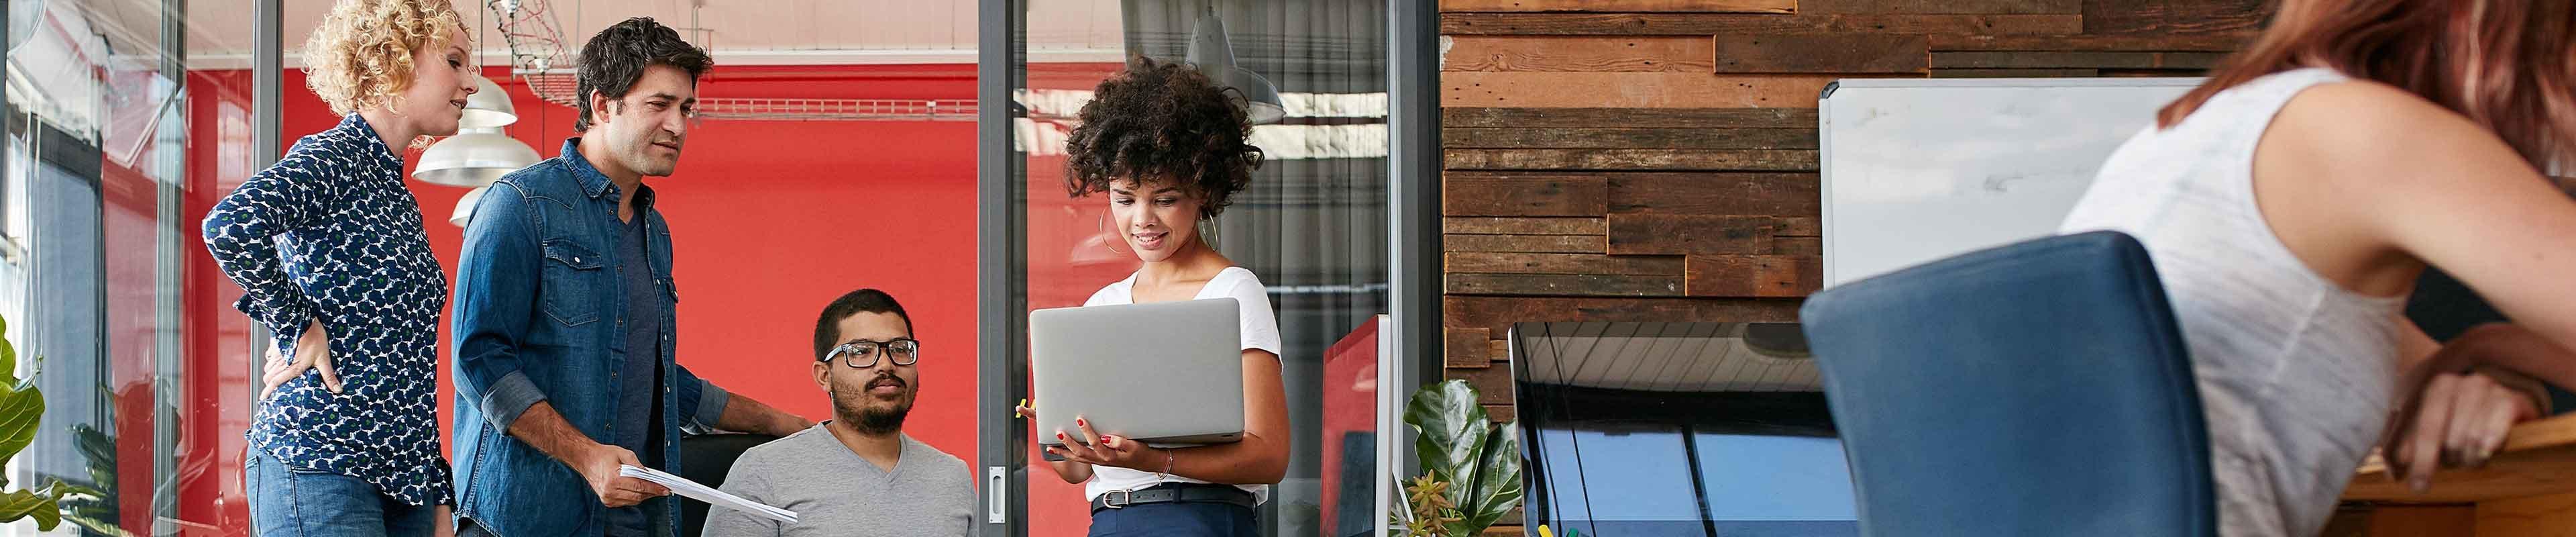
(21,405)
(1471,465)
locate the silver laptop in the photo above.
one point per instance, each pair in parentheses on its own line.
(1166,373)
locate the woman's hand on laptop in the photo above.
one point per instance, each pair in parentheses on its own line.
(1089,446)
(1073,471)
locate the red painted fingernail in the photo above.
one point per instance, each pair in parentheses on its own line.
(1059,436)
(1078,421)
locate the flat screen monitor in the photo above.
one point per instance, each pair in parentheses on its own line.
(1676,429)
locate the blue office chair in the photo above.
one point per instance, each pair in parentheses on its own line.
(2040,388)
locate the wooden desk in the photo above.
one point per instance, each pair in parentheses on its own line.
(2528,489)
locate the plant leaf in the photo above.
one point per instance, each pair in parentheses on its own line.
(95,446)
(1498,479)
(98,450)
(20,408)
(8,356)
(20,504)
(68,489)
(9,362)
(1449,428)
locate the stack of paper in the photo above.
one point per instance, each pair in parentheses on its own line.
(718,498)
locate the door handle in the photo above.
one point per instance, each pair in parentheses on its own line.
(994,495)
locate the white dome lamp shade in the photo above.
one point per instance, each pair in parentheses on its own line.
(465,206)
(473,158)
(488,108)
(1214,57)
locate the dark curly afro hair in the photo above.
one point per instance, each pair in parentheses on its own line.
(1163,120)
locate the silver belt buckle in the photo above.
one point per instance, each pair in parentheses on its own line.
(1116,499)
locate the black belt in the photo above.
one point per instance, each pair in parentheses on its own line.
(1169,493)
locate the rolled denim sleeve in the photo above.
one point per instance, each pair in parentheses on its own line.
(496,294)
(510,396)
(704,402)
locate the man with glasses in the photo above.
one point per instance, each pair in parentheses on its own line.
(857,474)
(565,314)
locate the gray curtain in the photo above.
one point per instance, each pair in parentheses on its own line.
(66,306)
(1315,230)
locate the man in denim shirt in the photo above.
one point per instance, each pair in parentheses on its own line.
(565,306)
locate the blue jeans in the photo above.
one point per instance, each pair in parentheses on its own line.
(286,501)
(1177,519)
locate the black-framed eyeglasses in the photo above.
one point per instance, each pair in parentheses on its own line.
(862,353)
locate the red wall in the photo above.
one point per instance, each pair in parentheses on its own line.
(211,444)
(769,221)
(128,200)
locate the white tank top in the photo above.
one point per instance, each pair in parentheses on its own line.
(2294,371)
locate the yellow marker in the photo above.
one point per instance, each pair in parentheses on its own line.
(1015,411)
(1542,531)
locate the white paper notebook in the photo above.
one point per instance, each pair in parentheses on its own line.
(718,498)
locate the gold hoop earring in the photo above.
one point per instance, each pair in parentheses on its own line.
(1103,227)
(1208,233)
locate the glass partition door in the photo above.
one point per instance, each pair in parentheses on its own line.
(1313,226)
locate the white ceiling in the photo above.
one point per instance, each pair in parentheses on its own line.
(1688,357)
(741,32)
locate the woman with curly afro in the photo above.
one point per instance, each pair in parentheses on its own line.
(1168,147)
(328,248)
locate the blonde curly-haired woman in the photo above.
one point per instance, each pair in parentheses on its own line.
(328,248)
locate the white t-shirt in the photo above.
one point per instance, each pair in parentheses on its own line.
(1260,331)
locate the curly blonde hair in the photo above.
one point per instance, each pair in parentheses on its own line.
(360,57)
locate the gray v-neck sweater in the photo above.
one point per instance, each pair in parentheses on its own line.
(835,492)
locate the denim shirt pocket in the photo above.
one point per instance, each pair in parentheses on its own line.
(570,272)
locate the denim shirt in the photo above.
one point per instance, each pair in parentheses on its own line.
(540,318)
(329,233)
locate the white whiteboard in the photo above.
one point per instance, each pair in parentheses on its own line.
(1916,170)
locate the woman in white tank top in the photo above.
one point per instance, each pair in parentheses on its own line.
(1169,147)
(2291,202)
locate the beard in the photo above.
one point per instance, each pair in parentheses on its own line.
(866,413)
(644,163)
